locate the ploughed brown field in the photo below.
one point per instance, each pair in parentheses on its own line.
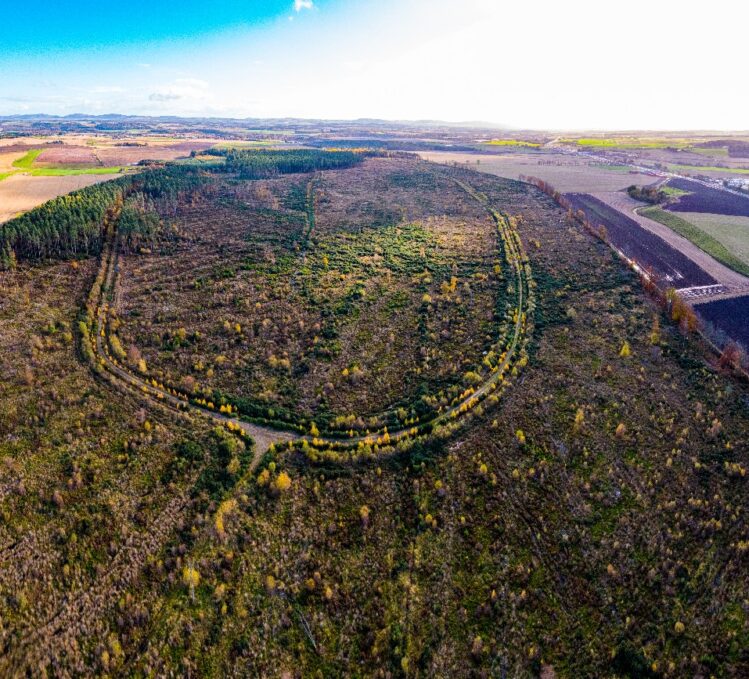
(567,173)
(21,192)
(650,252)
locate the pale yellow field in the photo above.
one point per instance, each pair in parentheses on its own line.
(21,192)
(6,160)
(565,172)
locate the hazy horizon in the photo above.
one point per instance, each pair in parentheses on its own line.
(477,124)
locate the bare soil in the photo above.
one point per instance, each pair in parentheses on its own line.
(721,273)
(21,192)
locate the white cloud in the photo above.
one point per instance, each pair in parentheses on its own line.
(192,89)
(299,5)
(192,82)
(164,96)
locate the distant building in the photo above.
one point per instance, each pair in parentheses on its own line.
(740,183)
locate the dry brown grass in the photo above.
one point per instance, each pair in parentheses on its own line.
(7,159)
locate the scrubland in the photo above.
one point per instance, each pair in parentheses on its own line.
(590,521)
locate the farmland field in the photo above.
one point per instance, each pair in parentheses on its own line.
(27,161)
(709,170)
(19,192)
(647,249)
(121,154)
(567,173)
(639,213)
(729,316)
(702,239)
(36,169)
(701,198)
(69,155)
(731,230)
(6,164)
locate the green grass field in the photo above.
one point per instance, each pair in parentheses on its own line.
(27,161)
(703,240)
(66,171)
(26,164)
(707,168)
(730,230)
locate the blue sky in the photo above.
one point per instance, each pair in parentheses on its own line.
(574,64)
(65,26)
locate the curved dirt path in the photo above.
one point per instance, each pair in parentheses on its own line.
(79,614)
(264,436)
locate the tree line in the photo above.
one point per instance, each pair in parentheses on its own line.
(647,194)
(71,226)
(260,163)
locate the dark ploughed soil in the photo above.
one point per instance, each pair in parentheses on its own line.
(640,245)
(730,316)
(702,198)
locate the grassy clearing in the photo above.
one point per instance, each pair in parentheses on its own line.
(702,240)
(5,175)
(203,161)
(27,161)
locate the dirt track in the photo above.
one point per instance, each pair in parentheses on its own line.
(736,283)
